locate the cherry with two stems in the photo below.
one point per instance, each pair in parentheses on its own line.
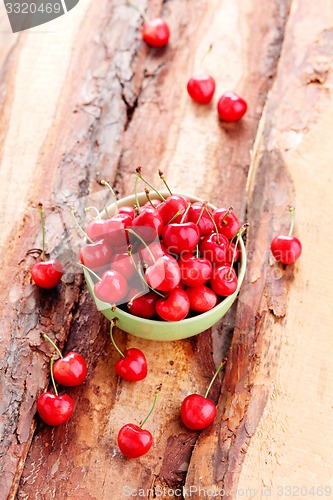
(155,32)
(47,273)
(231,107)
(133,440)
(54,409)
(132,365)
(197,412)
(287,248)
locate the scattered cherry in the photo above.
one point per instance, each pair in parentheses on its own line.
(133,441)
(69,370)
(201,88)
(197,412)
(231,107)
(132,365)
(287,248)
(156,32)
(47,273)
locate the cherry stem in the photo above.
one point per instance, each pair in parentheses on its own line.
(113,323)
(52,377)
(137,204)
(292,216)
(40,210)
(160,173)
(106,184)
(79,228)
(138,171)
(185,213)
(214,224)
(238,237)
(197,252)
(142,14)
(177,214)
(88,209)
(223,362)
(149,198)
(230,209)
(143,242)
(201,212)
(210,48)
(129,251)
(46,337)
(90,271)
(152,408)
(130,302)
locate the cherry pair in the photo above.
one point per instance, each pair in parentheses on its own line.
(69,371)
(230,107)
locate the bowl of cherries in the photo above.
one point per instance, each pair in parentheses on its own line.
(166,265)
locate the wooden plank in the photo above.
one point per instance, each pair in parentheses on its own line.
(112,105)
(274,431)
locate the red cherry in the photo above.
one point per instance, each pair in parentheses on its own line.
(144,306)
(156,32)
(164,275)
(287,249)
(111,230)
(47,274)
(148,225)
(133,441)
(197,412)
(133,366)
(122,263)
(157,248)
(128,211)
(194,271)
(195,214)
(231,107)
(202,298)
(175,307)
(224,281)
(226,221)
(181,237)
(96,255)
(172,205)
(54,409)
(201,88)
(112,288)
(71,370)
(214,248)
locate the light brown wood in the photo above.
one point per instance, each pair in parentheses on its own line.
(106,104)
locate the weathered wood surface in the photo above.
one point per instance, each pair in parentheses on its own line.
(106,104)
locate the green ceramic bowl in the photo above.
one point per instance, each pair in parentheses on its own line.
(165,330)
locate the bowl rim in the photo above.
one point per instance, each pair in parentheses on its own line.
(102,306)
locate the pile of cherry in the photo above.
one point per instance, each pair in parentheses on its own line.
(181,253)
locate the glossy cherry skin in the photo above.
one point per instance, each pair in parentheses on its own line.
(47,274)
(175,307)
(173,204)
(71,370)
(194,271)
(113,288)
(202,298)
(95,255)
(55,410)
(201,88)
(144,306)
(231,107)
(228,225)
(156,32)
(133,366)
(128,211)
(197,412)
(123,264)
(164,275)
(134,442)
(214,249)
(221,284)
(182,237)
(205,224)
(148,225)
(286,249)
(157,248)
(111,230)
